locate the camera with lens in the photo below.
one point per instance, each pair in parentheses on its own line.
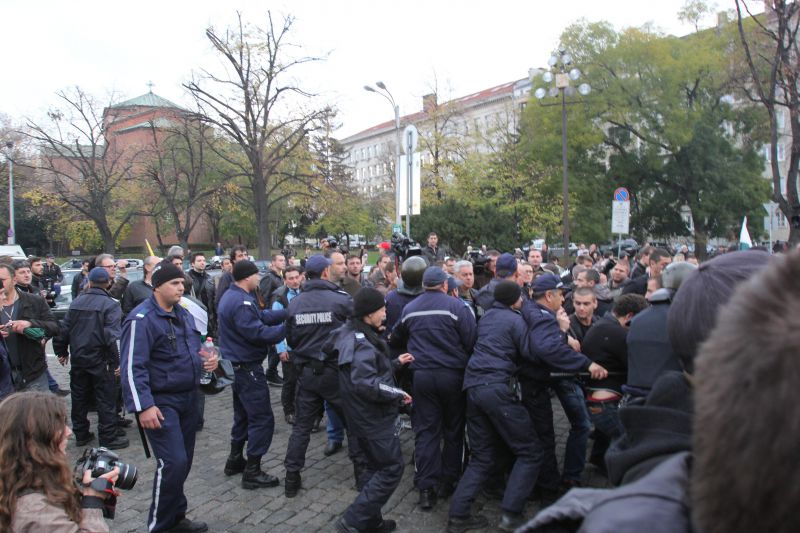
(404,247)
(478,261)
(101,461)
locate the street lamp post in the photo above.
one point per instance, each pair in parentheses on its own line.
(561,73)
(388,95)
(11,232)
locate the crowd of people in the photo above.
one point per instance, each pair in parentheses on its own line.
(470,353)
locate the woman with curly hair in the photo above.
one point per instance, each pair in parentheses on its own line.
(37,490)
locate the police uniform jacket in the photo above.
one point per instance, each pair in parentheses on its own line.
(159,354)
(396,301)
(91,330)
(370,396)
(502,340)
(549,347)
(243,335)
(313,315)
(438,330)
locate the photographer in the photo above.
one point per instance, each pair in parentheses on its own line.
(37,490)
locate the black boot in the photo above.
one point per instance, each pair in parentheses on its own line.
(292,484)
(254,477)
(235,463)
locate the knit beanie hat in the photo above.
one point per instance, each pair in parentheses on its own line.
(164,272)
(244,269)
(366,301)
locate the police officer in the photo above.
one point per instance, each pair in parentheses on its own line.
(371,401)
(495,414)
(411,287)
(243,339)
(161,366)
(313,315)
(89,334)
(439,331)
(548,323)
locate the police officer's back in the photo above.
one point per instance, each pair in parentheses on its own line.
(439,331)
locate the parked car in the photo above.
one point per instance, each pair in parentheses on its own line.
(263,265)
(629,246)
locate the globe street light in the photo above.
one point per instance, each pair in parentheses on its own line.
(562,72)
(388,95)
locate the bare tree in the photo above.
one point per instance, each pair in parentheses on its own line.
(773,59)
(182,169)
(251,104)
(81,163)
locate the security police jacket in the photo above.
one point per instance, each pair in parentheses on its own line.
(243,335)
(438,330)
(549,347)
(159,354)
(370,397)
(90,331)
(502,342)
(313,315)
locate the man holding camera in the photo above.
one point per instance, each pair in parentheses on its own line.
(161,367)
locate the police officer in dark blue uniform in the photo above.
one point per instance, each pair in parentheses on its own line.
(495,414)
(88,339)
(313,315)
(548,323)
(161,367)
(243,339)
(439,331)
(371,401)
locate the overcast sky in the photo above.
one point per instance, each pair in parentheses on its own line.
(116,47)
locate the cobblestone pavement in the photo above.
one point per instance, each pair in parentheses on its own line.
(328,481)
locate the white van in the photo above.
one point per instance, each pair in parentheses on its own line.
(13,250)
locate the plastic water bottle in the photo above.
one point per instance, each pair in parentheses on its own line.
(208,351)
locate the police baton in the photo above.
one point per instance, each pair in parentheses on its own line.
(556,375)
(142,436)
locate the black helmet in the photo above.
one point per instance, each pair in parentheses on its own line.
(413,269)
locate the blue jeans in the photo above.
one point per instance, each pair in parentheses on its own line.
(334,427)
(573,401)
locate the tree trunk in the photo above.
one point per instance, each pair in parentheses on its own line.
(262,214)
(700,241)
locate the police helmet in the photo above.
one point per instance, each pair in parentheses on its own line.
(413,269)
(674,274)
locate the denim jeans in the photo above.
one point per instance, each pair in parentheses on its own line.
(334,427)
(573,401)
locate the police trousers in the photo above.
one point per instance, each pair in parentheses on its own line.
(385,470)
(253,420)
(438,422)
(173,449)
(497,420)
(314,387)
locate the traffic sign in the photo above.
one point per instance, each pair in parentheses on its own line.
(622,195)
(397,228)
(620,216)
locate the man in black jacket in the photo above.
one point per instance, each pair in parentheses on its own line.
(140,290)
(371,402)
(26,320)
(89,335)
(271,281)
(433,253)
(202,288)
